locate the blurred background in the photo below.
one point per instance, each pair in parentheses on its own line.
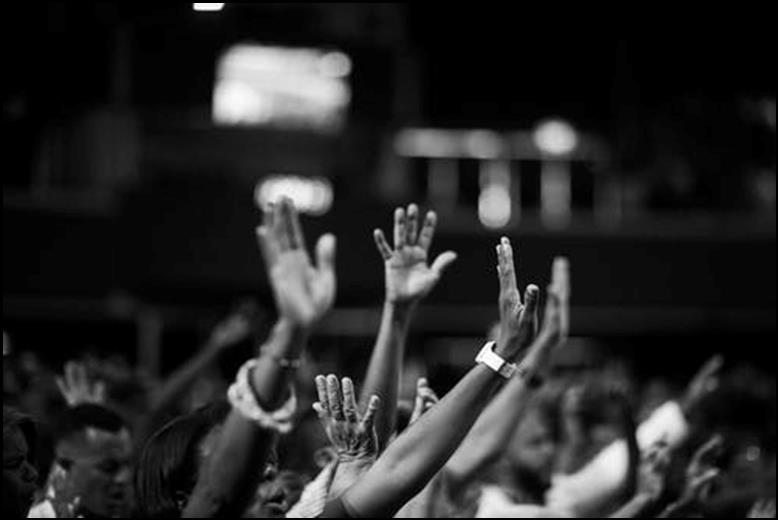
(140,140)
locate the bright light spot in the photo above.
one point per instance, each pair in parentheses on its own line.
(494,206)
(555,195)
(237,103)
(311,195)
(334,65)
(753,453)
(555,137)
(207,7)
(282,86)
(425,142)
(482,144)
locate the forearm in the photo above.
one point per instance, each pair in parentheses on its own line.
(633,452)
(183,377)
(490,433)
(270,380)
(497,423)
(421,450)
(229,477)
(637,506)
(347,473)
(384,369)
(679,509)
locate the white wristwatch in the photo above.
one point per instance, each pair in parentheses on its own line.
(488,357)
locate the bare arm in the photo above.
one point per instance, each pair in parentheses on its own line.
(650,483)
(496,424)
(408,279)
(227,333)
(303,294)
(421,450)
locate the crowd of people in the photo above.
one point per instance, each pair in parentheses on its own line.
(512,438)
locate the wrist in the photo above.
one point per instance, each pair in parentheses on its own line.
(356,461)
(287,339)
(399,312)
(506,348)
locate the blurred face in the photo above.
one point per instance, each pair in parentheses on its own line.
(97,466)
(277,492)
(19,475)
(532,449)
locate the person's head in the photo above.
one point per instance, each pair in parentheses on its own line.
(276,492)
(19,475)
(169,465)
(533,447)
(93,448)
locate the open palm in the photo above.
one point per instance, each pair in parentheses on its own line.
(303,292)
(408,276)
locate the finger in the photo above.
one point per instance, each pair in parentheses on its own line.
(320,411)
(400,229)
(280,230)
(704,483)
(70,373)
(412,224)
(321,390)
(326,248)
(506,268)
(63,388)
(349,400)
(372,407)
(99,392)
(421,384)
(382,244)
(291,225)
(79,372)
(428,230)
(708,451)
(442,262)
(511,270)
(550,327)
(268,246)
(268,216)
(334,397)
(297,238)
(711,367)
(428,395)
(531,297)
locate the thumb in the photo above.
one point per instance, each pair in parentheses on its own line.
(443,261)
(325,254)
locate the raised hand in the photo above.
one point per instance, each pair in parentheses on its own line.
(652,471)
(408,277)
(705,381)
(702,471)
(518,321)
(353,437)
(303,293)
(426,398)
(76,388)
(230,331)
(762,509)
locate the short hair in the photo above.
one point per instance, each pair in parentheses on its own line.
(168,466)
(80,417)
